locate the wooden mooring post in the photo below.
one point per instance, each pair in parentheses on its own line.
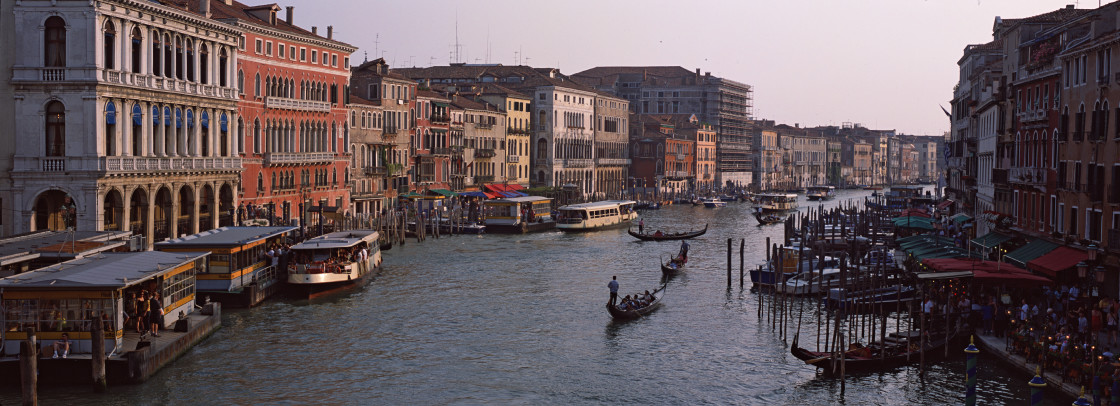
(729,263)
(97,356)
(29,369)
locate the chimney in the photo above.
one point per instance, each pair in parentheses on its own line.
(697,71)
(708,74)
(289,19)
(330,31)
(1069,7)
(204,8)
(228,2)
(315,30)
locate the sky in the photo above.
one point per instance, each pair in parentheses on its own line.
(886,64)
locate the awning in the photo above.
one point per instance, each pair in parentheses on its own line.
(473,193)
(410,195)
(990,240)
(944,204)
(1032,250)
(960,218)
(1058,260)
(914,212)
(443,192)
(494,187)
(514,186)
(492,195)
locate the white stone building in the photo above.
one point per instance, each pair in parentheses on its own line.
(118,115)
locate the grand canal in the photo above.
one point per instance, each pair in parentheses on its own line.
(519,319)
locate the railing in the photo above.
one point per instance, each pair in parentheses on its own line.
(517,131)
(134,164)
(389,131)
(376,170)
(54,164)
(677,174)
(1070,186)
(441,119)
(483,126)
(513,158)
(442,151)
(484,153)
(54,74)
(483,178)
(274,102)
(273,158)
(1029,176)
(577,163)
(613,161)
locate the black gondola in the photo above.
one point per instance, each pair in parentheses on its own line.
(673,266)
(767,219)
(620,314)
(683,235)
(900,351)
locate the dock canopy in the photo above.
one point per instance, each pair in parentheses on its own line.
(990,240)
(944,204)
(984,271)
(474,193)
(1060,259)
(923,223)
(1032,250)
(960,218)
(107,270)
(443,192)
(225,237)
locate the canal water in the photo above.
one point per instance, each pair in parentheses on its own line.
(502,319)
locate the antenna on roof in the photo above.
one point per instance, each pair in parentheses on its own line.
(458,48)
(365,57)
(376,37)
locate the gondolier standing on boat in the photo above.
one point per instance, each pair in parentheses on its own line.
(641,226)
(683,255)
(613,285)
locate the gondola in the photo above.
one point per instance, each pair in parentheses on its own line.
(620,314)
(673,266)
(683,235)
(870,359)
(767,219)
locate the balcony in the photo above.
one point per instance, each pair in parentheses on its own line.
(484,153)
(483,179)
(613,161)
(576,163)
(513,158)
(376,171)
(274,102)
(441,119)
(292,158)
(120,164)
(677,174)
(1027,176)
(389,132)
(443,151)
(483,126)
(516,131)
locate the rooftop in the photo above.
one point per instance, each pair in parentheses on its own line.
(105,270)
(226,237)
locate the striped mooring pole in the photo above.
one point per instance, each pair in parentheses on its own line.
(1081,401)
(1037,385)
(970,373)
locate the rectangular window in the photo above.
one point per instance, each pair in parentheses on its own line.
(334,60)
(1073,221)
(1053,211)
(314,56)
(302,54)
(268,48)
(258,46)
(280,50)
(346,62)
(292,52)
(1061,223)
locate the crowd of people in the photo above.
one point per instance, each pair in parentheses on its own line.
(636,302)
(144,311)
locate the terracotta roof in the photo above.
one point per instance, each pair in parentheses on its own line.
(663,71)
(354,99)
(391,73)
(430,94)
(491,88)
(219,10)
(466,103)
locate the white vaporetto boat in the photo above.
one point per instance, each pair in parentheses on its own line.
(333,261)
(595,215)
(821,192)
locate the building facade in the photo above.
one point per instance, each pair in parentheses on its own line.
(121,116)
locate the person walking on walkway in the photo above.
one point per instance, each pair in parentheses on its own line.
(613,285)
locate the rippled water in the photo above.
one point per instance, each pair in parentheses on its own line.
(520,319)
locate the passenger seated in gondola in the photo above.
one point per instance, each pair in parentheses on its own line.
(625,303)
(647,297)
(658,233)
(857,350)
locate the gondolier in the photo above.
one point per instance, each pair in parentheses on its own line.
(613,285)
(641,225)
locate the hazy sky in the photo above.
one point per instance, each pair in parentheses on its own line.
(886,64)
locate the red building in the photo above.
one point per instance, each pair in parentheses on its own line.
(293,114)
(661,156)
(432,157)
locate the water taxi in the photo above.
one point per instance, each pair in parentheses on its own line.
(776,202)
(821,192)
(518,214)
(241,273)
(332,262)
(595,215)
(712,202)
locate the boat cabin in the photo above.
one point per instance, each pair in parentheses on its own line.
(587,216)
(68,297)
(777,202)
(516,210)
(238,256)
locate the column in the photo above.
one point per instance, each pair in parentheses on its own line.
(215,206)
(173,227)
(124,57)
(195,226)
(150,225)
(126,208)
(232,134)
(160,133)
(123,120)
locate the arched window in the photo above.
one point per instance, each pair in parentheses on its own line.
(240,136)
(257,136)
(542,149)
(168,60)
(56,128)
(260,182)
(204,64)
(223,68)
(240,81)
(257,85)
(334,137)
(223,135)
(54,46)
(136,44)
(110,129)
(190,60)
(109,45)
(137,130)
(157,54)
(180,59)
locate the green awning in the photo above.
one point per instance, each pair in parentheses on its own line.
(914,222)
(1032,250)
(990,240)
(444,192)
(960,218)
(918,237)
(410,195)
